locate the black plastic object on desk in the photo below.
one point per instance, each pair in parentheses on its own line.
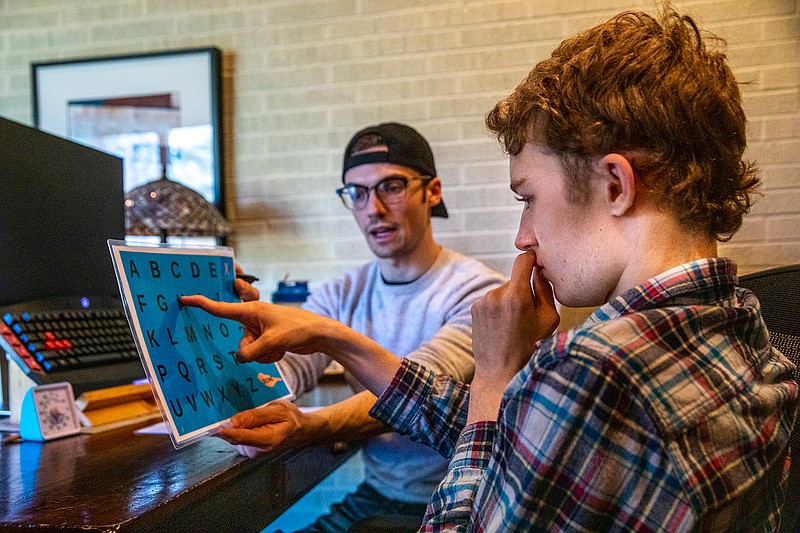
(86,342)
(291,292)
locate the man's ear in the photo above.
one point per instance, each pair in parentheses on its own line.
(619,185)
(434,196)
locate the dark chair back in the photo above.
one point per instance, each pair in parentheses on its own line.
(778,291)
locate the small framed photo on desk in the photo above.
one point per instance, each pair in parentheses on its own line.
(189,355)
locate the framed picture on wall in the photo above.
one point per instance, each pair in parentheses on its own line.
(160,112)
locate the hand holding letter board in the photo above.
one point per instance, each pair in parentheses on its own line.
(189,355)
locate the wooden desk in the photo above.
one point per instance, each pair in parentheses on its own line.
(118,481)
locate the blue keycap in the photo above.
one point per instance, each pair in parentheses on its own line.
(17,329)
(8,319)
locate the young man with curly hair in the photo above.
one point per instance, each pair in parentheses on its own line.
(668,409)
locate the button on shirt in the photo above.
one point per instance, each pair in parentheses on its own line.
(668,410)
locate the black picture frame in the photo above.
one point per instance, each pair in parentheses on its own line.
(148,91)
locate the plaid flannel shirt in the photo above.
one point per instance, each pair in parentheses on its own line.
(668,410)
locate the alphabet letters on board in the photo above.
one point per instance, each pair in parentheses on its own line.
(188,354)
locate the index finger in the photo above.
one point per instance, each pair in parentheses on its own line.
(233,311)
(256,417)
(248,437)
(522,270)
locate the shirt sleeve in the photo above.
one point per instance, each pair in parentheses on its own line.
(429,409)
(449,351)
(302,372)
(452,505)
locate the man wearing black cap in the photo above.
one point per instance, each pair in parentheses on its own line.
(414,299)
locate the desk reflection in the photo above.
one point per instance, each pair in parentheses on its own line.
(24,485)
(121,481)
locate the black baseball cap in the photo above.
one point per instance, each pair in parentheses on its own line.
(405,146)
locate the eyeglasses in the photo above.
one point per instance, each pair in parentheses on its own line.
(390,191)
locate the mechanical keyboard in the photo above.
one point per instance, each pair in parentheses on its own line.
(86,342)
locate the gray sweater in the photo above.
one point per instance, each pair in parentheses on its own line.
(427,320)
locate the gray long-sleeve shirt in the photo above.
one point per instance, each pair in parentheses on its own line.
(427,320)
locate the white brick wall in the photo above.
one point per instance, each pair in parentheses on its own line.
(300,77)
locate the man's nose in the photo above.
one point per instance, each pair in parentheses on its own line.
(374,203)
(526,238)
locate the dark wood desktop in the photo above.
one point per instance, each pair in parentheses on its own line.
(121,481)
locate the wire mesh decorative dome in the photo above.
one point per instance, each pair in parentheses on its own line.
(165,207)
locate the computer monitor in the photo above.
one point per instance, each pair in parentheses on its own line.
(59,203)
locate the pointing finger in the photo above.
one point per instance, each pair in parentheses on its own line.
(218,309)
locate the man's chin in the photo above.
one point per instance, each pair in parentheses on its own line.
(382,248)
(381,251)
(577,300)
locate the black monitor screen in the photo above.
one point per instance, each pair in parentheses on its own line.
(59,203)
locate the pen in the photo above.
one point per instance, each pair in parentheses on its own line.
(249,278)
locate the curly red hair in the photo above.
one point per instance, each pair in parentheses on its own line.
(651,90)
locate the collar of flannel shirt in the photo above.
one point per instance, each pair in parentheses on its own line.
(701,282)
